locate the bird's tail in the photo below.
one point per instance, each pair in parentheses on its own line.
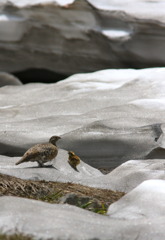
(74,167)
(20,161)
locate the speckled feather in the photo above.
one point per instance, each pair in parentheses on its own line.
(40,153)
(73,160)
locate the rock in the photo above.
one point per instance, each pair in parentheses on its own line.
(72,199)
(87,203)
(49,35)
(8,79)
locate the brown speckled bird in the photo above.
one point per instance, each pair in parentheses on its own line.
(41,153)
(73,160)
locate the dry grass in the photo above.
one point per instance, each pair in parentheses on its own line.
(12,186)
(52,192)
(16,236)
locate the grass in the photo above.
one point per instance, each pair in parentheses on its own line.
(52,197)
(16,236)
(92,199)
(96,200)
(100,209)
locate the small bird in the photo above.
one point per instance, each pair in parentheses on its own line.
(73,160)
(41,153)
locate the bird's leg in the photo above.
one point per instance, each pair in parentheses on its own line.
(40,164)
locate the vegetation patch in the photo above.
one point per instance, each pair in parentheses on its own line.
(16,236)
(93,199)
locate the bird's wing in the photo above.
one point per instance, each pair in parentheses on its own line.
(47,150)
(39,151)
(76,158)
(31,154)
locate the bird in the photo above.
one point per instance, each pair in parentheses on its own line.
(41,153)
(73,160)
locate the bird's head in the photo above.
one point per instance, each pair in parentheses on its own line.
(71,153)
(54,139)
